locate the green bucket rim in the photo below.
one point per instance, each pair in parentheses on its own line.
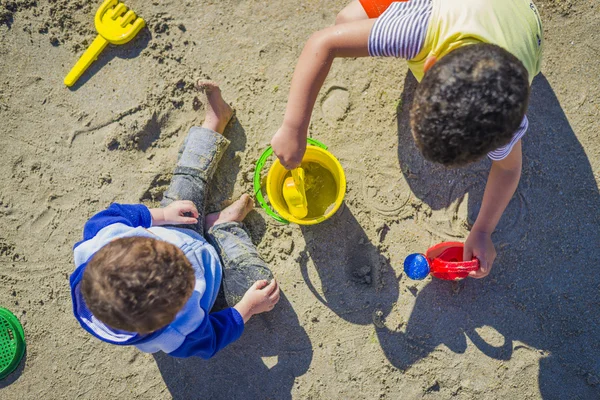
(257,189)
(16,346)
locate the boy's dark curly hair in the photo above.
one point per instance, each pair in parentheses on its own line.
(469,103)
(137,284)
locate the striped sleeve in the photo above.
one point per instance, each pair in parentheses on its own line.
(502,152)
(400,31)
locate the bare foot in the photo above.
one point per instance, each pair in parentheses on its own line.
(218,112)
(236,212)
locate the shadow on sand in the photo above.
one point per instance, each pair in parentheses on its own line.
(262,364)
(16,374)
(544,289)
(358,283)
(128,51)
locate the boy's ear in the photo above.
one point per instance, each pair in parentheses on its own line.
(429,61)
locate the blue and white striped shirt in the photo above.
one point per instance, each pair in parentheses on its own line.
(400,32)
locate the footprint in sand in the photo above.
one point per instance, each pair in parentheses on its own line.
(386,193)
(336,104)
(43,220)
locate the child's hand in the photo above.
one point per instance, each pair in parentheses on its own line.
(261,297)
(177,213)
(289,145)
(479,244)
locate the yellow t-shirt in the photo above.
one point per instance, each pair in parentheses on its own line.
(417,29)
(514,25)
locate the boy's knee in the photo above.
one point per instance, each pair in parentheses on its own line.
(269,275)
(249,269)
(260,271)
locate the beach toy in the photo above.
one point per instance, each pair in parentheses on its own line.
(116,25)
(12,342)
(295,195)
(316,153)
(444,261)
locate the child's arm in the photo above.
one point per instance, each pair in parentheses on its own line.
(178,212)
(260,298)
(135,215)
(217,330)
(501,185)
(221,328)
(345,40)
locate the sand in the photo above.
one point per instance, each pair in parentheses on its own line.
(350,324)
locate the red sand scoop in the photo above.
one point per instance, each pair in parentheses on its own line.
(444,261)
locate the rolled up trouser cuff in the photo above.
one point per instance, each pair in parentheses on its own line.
(202,153)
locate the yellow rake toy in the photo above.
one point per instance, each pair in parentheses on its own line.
(115,24)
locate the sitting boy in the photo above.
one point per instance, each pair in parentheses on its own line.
(475,60)
(140,282)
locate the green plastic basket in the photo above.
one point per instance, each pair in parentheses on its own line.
(12,342)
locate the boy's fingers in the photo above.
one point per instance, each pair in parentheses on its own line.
(193,210)
(272,287)
(188,220)
(188,206)
(274,297)
(467,253)
(483,270)
(477,272)
(260,284)
(289,165)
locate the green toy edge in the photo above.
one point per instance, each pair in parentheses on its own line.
(21,345)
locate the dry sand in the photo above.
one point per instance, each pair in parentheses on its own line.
(350,324)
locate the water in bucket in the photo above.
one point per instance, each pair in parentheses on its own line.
(321,189)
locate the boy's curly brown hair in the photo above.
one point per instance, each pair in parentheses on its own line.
(469,103)
(137,284)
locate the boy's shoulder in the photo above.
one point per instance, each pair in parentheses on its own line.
(85,249)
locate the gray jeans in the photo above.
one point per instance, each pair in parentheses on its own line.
(196,163)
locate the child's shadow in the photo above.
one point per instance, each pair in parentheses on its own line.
(543,290)
(432,183)
(263,364)
(357,282)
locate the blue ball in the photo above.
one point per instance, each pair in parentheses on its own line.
(416,266)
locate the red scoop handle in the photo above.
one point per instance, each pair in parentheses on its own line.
(446,261)
(455,266)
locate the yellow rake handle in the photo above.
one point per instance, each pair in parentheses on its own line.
(90,55)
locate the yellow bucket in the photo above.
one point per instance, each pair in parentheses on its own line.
(317,153)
